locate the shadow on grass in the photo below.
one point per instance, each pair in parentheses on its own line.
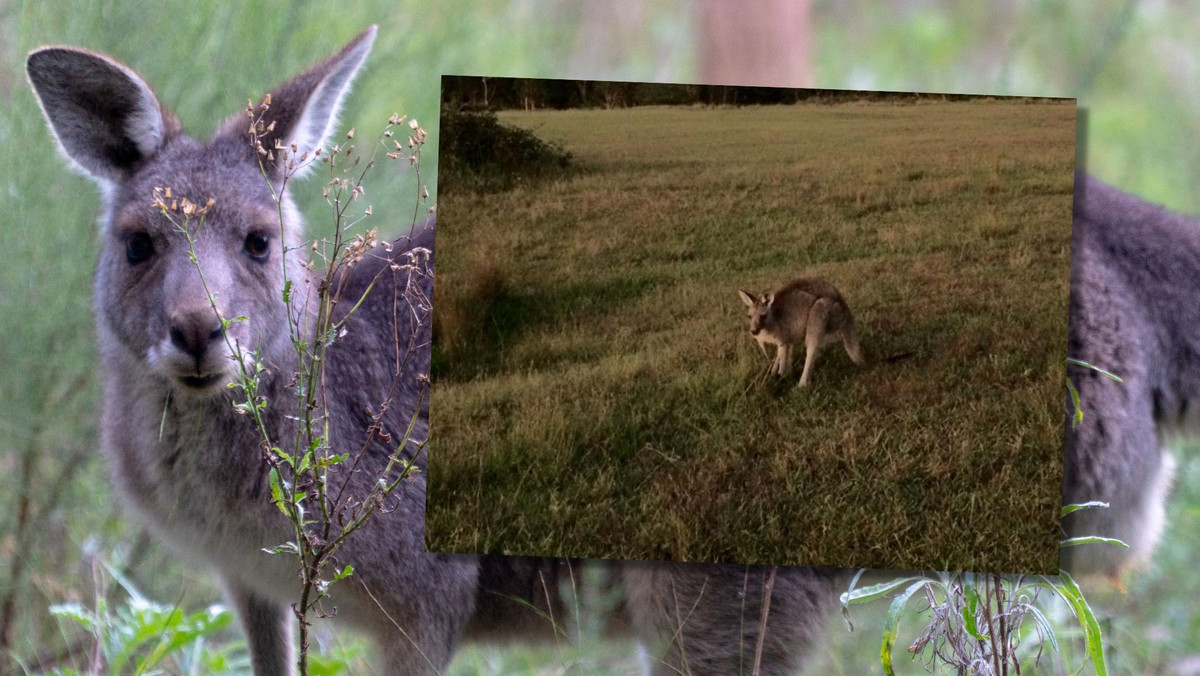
(473,328)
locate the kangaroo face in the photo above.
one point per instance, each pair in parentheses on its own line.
(187,291)
(758,310)
(189,295)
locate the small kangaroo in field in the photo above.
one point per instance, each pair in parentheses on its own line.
(807,309)
(1135,311)
(193,469)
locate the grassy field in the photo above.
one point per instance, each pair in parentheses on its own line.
(596,392)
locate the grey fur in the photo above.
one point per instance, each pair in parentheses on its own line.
(1135,311)
(808,310)
(192,469)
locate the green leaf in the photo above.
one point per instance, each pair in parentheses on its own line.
(1092,539)
(277,494)
(1040,619)
(335,460)
(1067,509)
(1087,620)
(891,625)
(844,598)
(1107,374)
(971,596)
(285,548)
(1078,417)
(877,591)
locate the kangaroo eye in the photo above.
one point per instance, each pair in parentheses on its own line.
(258,246)
(138,248)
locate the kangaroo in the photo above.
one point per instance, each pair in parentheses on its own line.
(808,309)
(190,467)
(1135,311)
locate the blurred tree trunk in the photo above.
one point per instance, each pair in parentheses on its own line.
(762,43)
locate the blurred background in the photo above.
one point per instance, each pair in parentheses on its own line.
(1134,66)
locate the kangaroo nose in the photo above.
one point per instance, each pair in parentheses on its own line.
(193,331)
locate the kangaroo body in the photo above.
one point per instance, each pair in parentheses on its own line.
(1135,311)
(194,470)
(806,310)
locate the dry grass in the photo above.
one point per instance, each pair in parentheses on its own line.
(607,401)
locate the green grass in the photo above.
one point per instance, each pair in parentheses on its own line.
(596,393)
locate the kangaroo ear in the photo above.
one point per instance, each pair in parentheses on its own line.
(105,118)
(747,298)
(769,299)
(303,112)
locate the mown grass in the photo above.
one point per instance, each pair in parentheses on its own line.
(596,393)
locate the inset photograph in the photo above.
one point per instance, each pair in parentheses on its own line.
(754,325)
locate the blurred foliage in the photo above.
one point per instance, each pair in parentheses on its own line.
(1133,64)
